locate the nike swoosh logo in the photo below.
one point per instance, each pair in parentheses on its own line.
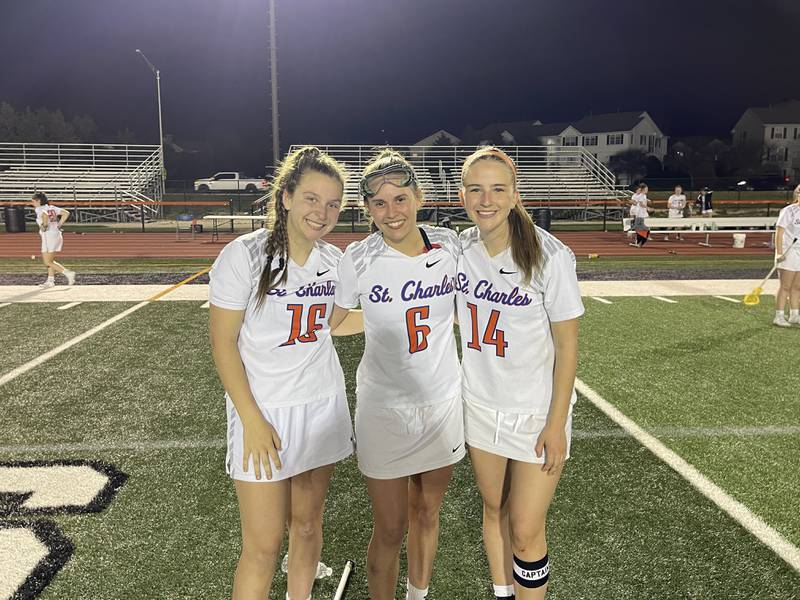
(321,273)
(502,272)
(429,265)
(456,448)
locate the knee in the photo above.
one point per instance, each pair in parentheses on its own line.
(390,535)
(494,511)
(261,552)
(424,516)
(526,535)
(306,529)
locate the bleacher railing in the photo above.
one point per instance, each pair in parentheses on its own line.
(102,173)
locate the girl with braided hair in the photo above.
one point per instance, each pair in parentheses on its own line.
(271,309)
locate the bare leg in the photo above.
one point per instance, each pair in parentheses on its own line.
(390,517)
(425,495)
(530,493)
(491,475)
(305,529)
(263,508)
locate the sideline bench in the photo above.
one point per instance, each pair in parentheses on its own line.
(708,225)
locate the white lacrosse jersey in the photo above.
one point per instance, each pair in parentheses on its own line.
(507,347)
(410,357)
(286,344)
(53,213)
(789,219)
(676,204)
(639,206)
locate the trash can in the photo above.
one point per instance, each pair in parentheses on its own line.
(739,240)
(14,218)
(541,216)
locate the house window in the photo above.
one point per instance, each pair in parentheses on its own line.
(642,140)
(795,133)
(570,140)
(786,154)
(658,142)
(614,139)
(772,134)
(590,140)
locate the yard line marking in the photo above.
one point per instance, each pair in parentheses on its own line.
(670,300)
(603,300)
(66,306)
(2,304)
(205,305)
(203,444)
(14,373)
(738,511)
(728,299)
(179,284)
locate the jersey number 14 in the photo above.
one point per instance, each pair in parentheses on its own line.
(491,337)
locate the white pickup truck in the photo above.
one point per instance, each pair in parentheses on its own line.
(230,180)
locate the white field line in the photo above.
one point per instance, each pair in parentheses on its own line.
(68,306)
(2,304)
(728,299)
(204,305)
(738,511)
(670,300)
(14,373)
(599,299)
(579,434)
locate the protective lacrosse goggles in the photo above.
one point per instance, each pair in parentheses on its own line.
(397,174)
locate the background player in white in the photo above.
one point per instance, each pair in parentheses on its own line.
(639,214)
(518,304)
(409,420)
(271,297)
(676,203)
(50,220)
(787,229)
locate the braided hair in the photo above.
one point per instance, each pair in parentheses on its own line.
(299,162)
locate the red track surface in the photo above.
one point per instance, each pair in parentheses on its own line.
(164,245)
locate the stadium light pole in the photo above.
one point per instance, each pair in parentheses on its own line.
(157,73)
(739,189)
(273,76)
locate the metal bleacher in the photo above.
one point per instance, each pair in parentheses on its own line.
(104,182)
(567,178)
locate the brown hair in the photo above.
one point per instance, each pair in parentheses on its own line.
(386,158)
(526,248)
(41,197)
(796,194)
(294,166)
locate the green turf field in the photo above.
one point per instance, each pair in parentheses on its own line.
(711,379)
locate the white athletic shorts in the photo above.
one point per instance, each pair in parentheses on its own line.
(52,240)
(792,262)
(505,434)
(398,442)
(312,435)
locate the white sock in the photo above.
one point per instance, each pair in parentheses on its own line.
(793,313)
(287,597)
(413,593)
(503,591)
(779,314)
(51,278)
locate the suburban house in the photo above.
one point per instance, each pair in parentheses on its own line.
(602,135)
(776,129)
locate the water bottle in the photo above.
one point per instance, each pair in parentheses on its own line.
(323,570)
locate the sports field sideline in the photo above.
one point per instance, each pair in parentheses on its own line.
(684,481)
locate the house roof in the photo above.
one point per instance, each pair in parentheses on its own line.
(621,121)
(548,129)
(783,112)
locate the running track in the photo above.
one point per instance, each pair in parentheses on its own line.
(164,245)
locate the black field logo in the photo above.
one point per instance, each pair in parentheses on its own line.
(32,489)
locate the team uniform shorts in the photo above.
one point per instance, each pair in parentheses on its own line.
(511,435)
(398,442)
(792,261)
(312,435)
(52,240)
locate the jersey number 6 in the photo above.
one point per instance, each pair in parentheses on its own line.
(417,334)
(315,312)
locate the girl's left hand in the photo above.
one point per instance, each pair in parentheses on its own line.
(552,442)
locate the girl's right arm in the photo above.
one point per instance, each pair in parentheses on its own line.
(261,441)
(779,257)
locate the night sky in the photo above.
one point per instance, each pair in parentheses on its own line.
(371,71)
